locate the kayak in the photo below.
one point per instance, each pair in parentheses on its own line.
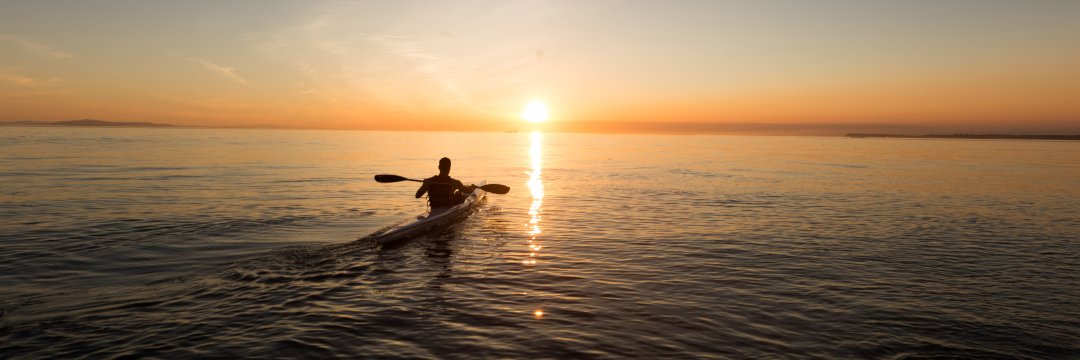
(437,219)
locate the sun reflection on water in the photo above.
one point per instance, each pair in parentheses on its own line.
(536,188)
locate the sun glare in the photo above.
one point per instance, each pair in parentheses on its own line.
(535,112)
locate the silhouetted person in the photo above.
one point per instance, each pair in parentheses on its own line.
(442,189)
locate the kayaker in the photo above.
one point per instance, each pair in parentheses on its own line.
(442,189)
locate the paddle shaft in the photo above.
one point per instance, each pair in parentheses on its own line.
(492,188)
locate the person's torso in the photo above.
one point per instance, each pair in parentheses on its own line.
(441,190)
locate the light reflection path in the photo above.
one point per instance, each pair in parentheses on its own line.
(536,188)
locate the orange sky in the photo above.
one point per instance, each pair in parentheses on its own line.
(623,66)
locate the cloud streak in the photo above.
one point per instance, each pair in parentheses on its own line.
(429,64)
(226,71)
(35,48)
(27,81)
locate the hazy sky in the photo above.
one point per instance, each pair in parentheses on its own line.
(974,65)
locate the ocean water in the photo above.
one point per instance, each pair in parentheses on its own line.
(194,243)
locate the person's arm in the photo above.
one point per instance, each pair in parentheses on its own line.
(465,189)
(423,189)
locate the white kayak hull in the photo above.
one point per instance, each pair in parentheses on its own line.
(437,219)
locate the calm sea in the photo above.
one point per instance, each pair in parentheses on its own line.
(193,243)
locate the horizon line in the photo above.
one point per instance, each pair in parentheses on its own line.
(613,127)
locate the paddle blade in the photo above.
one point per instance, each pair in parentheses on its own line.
(389,178)
(496,188)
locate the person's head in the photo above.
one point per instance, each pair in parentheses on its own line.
(444,166)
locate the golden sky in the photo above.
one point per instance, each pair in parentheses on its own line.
(684,66)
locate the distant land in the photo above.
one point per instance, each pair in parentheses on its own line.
(85,122)
(805,129)
(969,136)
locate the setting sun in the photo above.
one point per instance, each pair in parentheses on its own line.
(535,112)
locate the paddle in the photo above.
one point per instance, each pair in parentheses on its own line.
(491,188)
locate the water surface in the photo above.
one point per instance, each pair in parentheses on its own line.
(256,243)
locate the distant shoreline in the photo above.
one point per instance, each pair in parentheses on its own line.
(969,136)
(120,124)
(86,122)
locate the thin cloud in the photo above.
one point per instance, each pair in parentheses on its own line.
(334,45)
(227,71)
(424,62)
(35,48)
(27,81)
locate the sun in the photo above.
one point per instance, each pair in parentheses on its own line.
(535,112)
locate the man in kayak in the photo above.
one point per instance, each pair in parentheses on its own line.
(442,189)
